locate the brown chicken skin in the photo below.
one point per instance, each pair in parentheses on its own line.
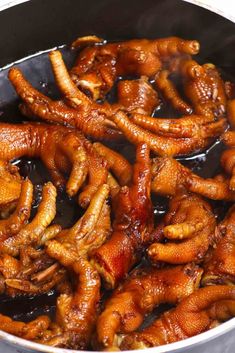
(132,226)
(10,187)
(228,156)
(188,126)
(189,228)
(33,231)
(219,264)
(137,96)
(169,176)
(33,273)
(20,216)
(170,93)
(162,144)
(97,67)
(76,312)
(38,105)
(62,150)
(30,331)
(204,88)
(118,165)
(192,316)
(140,294)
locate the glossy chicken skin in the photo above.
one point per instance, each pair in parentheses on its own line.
(140,294)
(132,226)
(169,176)
(228,157)
(118,165)
(188,126)
(189,228)
(62,150)
(97,67)
(20,216)
(76,312)
(137,96)
(165,145)
(91,123)
(32,232)
(33,273)
(219,265)
(192,316)
(30,331)
(170,93)
(10,187)
(204,88)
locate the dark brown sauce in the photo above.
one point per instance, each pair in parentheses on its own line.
(37,69)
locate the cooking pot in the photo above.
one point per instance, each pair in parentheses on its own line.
(38,25)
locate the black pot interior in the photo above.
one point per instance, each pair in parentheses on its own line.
(41,24)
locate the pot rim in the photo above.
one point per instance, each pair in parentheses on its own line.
(172,347)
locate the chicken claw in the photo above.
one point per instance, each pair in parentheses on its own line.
(30,330)
(140,294)
(76,313)
(97,67)
(219,264)
(137,96)
(10,182)
(120,167)
(169,176)
(204,88)
(165,145)
(170,93)
(188,126)
(132,226)
(228,157)
(191,220)
(37,104)
(192,316)
(17,220)
(32,232)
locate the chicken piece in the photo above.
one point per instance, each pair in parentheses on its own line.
(222,310)
(76,313)
(192,316)
(132,226)
(29,331)
(86,40)
(228,157)
(32,232)
(91,123)
(204,88)
(120,167)
(34,272)
(169,176)
(50,143)
(113,185)
(140,294)
(62,150)
(10,189)
(188,126)
(97,67)
(137,96)
(20,216)
(219,264)
(170,93)
(231,113)
(165,145)
(97,174)
(191,220)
